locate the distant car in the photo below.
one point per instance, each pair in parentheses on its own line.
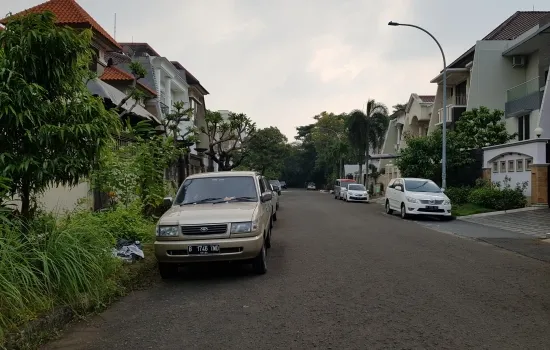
(311,186)
(276,186)
(283,184)
(344,190)
(411,196)
(356,193)
(338,185)
(274,202)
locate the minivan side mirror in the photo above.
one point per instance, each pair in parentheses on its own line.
(267,196)
(167,202)
(398,188)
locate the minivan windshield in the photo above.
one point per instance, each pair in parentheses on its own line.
(419,185)
(217,190)
(356,187)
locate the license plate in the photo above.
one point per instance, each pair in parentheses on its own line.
(203,249)
(432,207)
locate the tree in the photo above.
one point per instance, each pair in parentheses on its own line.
(267,151)
(422,156)
(52,128)
(367,130)
(481,127)
(399,107)
(228,138)
(331,143)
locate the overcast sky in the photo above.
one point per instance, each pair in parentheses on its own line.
(283,61)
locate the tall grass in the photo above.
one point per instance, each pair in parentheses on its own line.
(51,262)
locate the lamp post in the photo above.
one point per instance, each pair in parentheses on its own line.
(341,170)
(444,131)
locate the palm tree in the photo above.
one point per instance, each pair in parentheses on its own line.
(367,130)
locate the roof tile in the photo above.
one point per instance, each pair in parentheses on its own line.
(516,25)
(115,74)
(69,12)
(427,98)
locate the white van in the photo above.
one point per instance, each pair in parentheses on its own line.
(338,184)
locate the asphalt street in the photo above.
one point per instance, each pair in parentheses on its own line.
(341,276)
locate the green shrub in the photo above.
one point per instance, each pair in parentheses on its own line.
(499,196)
(45,263)
(458,195)
(119,222)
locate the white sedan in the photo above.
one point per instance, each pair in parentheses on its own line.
(356,193)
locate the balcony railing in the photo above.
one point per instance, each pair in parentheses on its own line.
(522,90)
(461,100)
(451,111)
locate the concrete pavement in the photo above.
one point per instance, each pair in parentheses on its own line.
(341,276)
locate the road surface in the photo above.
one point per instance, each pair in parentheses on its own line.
(341,276)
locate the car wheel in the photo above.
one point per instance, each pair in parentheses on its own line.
(168,271)
(388,209)
(259,265)
(403,211)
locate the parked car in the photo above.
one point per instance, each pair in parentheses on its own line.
(356,193)
(311,186)
(237,227)
(338,184)
(275,202)
(276,186)
(344,190)
(412,196)
(283,184)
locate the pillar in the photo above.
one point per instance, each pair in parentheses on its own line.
(539,184)
(486,175)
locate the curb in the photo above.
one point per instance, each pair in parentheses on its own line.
(493,213)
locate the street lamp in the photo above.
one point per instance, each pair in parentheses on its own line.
(444,131)
(341,170)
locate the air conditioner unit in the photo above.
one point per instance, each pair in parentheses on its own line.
(518,61)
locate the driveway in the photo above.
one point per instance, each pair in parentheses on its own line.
(341,276)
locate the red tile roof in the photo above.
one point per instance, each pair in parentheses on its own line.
(115,74)
(516,25)
(427,98)
(69,12)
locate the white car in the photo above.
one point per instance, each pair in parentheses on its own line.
(412,196)
(274,202)
(311,186)
(356,193)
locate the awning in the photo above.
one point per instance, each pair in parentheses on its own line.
(100,88)
(530,44)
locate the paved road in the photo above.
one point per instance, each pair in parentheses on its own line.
(342,276)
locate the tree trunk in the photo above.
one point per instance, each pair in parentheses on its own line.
(25,199)
(367,168)
(181,170)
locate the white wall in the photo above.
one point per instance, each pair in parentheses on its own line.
(544,117)
(528,149)
(492,75)
(58,199)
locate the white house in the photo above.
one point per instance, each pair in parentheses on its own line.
(506,71)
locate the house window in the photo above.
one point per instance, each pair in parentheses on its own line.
(523,128)
(528,163)
(511,165)
(502,166)
(495,167)
(519,165)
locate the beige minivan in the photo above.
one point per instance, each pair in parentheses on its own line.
(219,216)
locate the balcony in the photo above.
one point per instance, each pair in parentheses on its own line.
(454,112)
(523,99)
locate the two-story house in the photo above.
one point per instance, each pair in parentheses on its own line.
(171,86)
(526,113)
(70,13)
(479,77)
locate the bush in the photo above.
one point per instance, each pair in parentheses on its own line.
(499,197)
(458,195)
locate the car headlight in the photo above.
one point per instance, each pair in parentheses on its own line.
(168,231)
(447,202)
(244,227)
(411,200)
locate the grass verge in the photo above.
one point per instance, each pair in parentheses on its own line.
(469,209)
(52,271)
